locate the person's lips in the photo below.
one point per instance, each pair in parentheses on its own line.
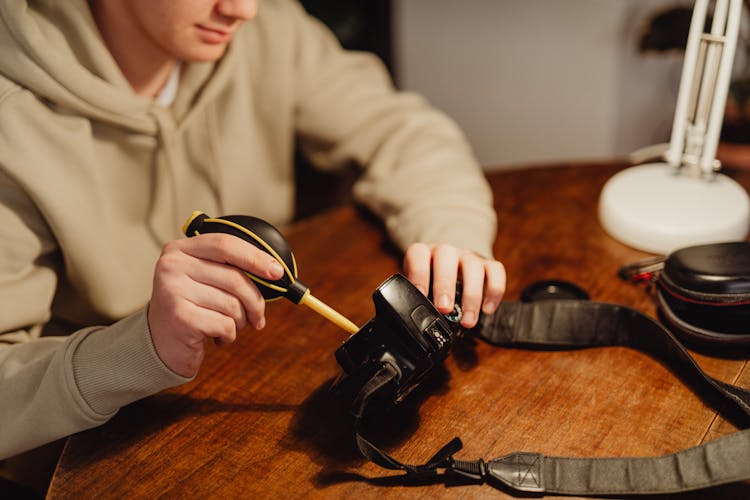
(211,34)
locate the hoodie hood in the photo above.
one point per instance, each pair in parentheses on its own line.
(54,49)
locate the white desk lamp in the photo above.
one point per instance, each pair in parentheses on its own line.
(684,201)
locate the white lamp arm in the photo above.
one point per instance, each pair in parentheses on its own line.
(704,85)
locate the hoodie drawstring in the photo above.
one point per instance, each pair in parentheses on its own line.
(165,195)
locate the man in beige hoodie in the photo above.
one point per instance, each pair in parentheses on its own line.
(119,117)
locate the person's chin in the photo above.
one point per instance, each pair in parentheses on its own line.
(205,53)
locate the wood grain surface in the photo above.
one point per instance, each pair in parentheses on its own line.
(259,422)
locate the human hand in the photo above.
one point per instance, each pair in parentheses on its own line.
(483,280)
(200,291)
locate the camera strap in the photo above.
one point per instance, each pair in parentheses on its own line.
(579,324)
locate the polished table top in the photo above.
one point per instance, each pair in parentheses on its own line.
(259,421)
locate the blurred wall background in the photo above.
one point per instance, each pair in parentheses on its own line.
(539,81)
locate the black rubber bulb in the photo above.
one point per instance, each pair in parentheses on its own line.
(266,237)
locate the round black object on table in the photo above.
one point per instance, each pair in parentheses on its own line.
(553,290)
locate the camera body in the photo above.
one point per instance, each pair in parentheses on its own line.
(407,332)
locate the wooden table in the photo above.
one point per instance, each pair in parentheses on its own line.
(258,421)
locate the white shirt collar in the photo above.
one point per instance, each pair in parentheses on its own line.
(167,95)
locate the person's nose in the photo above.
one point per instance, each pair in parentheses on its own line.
(242,10)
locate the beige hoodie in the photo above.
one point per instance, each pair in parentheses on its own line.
(94,179)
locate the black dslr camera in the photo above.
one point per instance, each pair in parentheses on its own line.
(407,333)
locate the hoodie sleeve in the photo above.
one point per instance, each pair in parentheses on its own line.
(51,387)
(421,176)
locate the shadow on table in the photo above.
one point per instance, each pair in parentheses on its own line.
(135,424)
(323,429)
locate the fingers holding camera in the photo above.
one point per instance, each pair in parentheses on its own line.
(445,262)
(483,280)
(417,262)
(494,285)
(437,264)
(200,292)
(472,274)
(482,288)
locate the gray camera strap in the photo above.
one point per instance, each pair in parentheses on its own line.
(579,324)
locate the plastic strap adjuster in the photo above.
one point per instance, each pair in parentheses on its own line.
(475,470)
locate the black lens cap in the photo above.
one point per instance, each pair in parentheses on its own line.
(553,290)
